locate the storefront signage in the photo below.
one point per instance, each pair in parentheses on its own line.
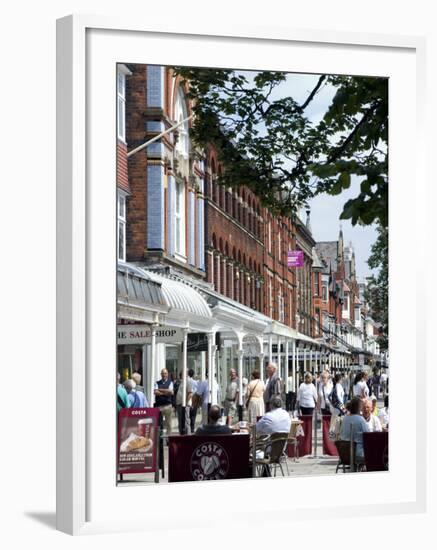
(141,334)
(295,258)
(138,440)
(203,458)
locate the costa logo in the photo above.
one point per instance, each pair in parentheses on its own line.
(209,461)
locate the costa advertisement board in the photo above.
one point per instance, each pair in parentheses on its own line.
(138,433)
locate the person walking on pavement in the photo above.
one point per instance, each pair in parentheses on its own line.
(273,386)
(254,397)
(324,390)
(122,396)
(136,377)
(306,398)
(192,384)
(137,399)
(163,395)
(184,421)
(231,397)
(203,391)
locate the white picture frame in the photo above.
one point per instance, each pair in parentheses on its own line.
(87,48)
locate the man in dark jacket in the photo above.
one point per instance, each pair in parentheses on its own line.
(273,386)
(213,427)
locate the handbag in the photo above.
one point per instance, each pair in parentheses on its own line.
(196,401)
(250,394)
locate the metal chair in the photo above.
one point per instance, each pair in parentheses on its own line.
(344,457)
(273,448)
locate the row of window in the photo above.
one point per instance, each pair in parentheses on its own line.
(234,282)
(242,208)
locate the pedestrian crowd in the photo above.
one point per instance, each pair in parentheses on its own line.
(348,401)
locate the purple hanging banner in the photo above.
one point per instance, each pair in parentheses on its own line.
(295,258)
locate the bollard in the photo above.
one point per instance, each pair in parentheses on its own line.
(315,432)
(160,456)
(240,413)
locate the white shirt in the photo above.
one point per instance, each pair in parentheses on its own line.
(307,395)
(324,391)
(384,416)
(203,390)
(373,423)
(275,421)
(361,389)
(191,388)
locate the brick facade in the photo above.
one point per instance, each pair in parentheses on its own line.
(228,238)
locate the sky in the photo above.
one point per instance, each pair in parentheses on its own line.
(326,209)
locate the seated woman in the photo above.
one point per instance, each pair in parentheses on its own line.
(355,423)
(213,427)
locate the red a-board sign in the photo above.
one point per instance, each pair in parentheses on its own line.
(138,440)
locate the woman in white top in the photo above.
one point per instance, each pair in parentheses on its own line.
(307,395)
(360,388)
(325,388)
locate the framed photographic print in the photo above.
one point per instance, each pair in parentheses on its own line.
(232,243)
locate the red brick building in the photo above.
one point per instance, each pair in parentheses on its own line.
(180,219)
(234,239)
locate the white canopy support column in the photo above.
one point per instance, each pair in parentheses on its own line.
(304,350)
(287,388)
(261,366)
(203,365)
(211,345)
(184,366)
(279,358)
(151,396)
(213,365)
(260,340)
(294,365)
(240,382)
(311,360)
(270,348)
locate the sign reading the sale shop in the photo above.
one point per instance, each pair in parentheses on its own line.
(138,432)
(142,334)
(295,258)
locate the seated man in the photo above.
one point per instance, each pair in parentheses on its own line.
(213,427)
(277,420)
(372,421)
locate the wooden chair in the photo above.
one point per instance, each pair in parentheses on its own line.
(273,448)
(292,440)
